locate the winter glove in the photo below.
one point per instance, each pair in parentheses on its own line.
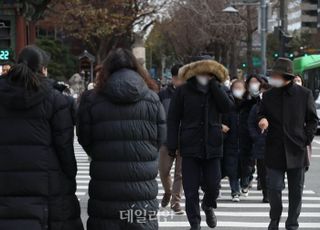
(172,153)
(214,81)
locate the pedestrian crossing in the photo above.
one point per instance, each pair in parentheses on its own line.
(250,213)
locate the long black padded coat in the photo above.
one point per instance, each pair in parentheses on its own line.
(237,142)
(37,162)
(122,129)
(194,120)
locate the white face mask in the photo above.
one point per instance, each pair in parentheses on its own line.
(278,83)
(254,89)
(298,83)
(203,80)
(238,93)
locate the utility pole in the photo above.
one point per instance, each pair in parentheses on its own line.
(263,34)
(284,25)
(319,16)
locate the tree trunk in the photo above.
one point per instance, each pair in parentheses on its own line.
(217,52)
(224,56)
(249,40)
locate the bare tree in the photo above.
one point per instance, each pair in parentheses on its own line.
(201,27)
(103,25)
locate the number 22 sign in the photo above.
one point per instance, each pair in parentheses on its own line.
(4,55)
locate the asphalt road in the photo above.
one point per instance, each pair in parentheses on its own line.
(250,213)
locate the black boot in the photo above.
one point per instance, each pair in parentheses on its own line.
(211,218)
(196,227)
(274,225)
(265,196)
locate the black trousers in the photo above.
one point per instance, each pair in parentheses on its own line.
(195,173)
(275,183)
(262,173)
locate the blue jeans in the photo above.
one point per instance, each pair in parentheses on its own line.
(235,186)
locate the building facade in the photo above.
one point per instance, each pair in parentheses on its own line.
(303,16)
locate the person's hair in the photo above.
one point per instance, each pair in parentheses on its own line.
(175,70)
(250,77)
(6,63)
(119,59)
(265,86)
(236,82)
(27,70)
(46,58)
(299,76)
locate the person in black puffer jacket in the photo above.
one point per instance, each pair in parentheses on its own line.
(121,127)
(238,144)
(259,144)
(37,161)
(195,129)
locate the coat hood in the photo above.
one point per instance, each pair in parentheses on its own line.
(204,67)
(17,97)
(125,86)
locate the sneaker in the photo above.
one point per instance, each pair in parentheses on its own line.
(176,208)
(165,200)
(236,198)
(245,192)
(211,218)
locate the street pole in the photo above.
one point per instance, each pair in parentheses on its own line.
(319,16)
(91,72)
(264,30)
(284,25)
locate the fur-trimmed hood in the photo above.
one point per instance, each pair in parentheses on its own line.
(204,67)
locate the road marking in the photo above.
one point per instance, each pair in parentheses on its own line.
(179,224)
(306,192)
(259,198)
(241,214)
(316,141)
(83,176)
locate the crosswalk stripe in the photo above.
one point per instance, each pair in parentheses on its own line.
(244,214)
(316,142)
(259,198)
(179,224)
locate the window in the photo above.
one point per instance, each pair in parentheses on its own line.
(312,79)
(310,1)
(310,13)
(310,24)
